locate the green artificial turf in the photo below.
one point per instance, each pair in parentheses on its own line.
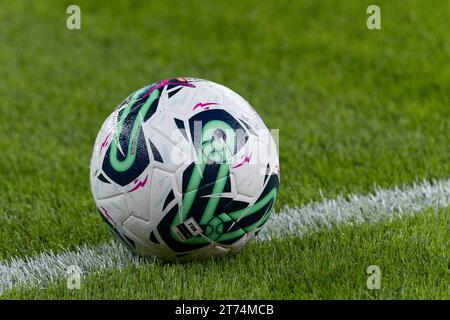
(355,108)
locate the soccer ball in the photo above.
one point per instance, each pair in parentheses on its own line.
(184,168)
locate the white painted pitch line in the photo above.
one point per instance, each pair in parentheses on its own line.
(353,209)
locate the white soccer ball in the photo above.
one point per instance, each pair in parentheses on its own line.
(184,168)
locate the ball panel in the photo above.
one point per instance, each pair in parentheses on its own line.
(137,196)
(138,228)
(114,209)
(162,186)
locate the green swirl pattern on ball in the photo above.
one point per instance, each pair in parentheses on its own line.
(132,150)
(217,144)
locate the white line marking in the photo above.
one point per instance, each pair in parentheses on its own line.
(353,209)
(48,266)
